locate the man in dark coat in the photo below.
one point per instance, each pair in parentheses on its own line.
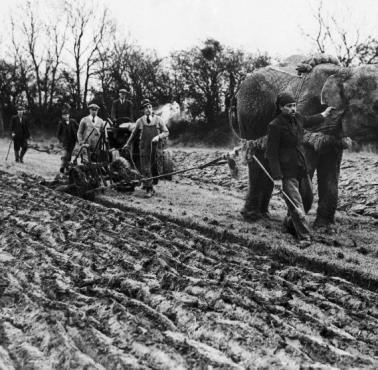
(67,135)
(20,134)
(122,109)
(286,158)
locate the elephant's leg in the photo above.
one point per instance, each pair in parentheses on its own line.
(266,194)
(259,190)
(306,187)
(328,172)
(251,208)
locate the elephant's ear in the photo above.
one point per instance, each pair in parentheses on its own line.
(331,92)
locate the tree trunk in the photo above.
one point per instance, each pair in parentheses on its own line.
(2,130)
(78,87)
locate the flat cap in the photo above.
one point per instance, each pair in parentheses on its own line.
(144,103)
(93,106)
(125,91)
(284,98)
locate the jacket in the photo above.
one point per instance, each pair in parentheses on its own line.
(284,149)
(86,127)
(67,132)
(120,110)
(138,130)
(20,128)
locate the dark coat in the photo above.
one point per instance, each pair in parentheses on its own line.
(67,133)
(120,110)
(20,129)
(284,150)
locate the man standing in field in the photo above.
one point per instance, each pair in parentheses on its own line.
(67,135)
(20,134)
(151,129)
(122,109)
(89,132)
(287,161)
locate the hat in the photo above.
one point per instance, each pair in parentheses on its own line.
(285,98)
(93,106)
(21,107)
(125,91)
(144,103)
(66,108)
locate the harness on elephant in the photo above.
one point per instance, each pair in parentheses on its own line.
(300,87)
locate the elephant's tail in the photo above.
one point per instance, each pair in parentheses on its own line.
(233,117)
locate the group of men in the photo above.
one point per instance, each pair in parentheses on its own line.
(148,130)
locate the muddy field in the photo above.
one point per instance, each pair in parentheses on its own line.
(88,286)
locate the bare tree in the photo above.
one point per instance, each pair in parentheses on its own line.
(38,44)
(89,27)
(334,36)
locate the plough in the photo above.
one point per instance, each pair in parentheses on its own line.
(116,168)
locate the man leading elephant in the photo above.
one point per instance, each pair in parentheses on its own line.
(287,162)
(322,81)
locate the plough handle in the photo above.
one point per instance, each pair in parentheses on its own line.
(10,144)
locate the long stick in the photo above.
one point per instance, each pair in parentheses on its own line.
(10,144)
(211,163)
(271,179)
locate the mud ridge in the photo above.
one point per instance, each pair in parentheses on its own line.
(259,246)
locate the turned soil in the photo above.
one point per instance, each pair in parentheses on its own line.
(180,280)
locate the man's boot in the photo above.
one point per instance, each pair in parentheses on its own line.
(251,215)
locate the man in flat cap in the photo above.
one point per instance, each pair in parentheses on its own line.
(122,109)
(20,133)
(287,161)
(89,132)
(67,135)
(151,130)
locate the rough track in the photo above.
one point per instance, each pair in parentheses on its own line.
(84,286)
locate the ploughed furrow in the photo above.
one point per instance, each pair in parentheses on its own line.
(84,286)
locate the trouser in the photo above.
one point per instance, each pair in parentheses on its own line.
(66,157)
(20,144)
(327,165)
(260,188)
(149,168)
(295,221)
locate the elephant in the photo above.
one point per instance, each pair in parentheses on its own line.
(320,81)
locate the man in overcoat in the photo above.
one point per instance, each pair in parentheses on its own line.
(122,108)
(90,129)
(287,161)
(20,133)
(67,135)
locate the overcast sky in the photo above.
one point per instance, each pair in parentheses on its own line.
(266,25)
(271,25)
